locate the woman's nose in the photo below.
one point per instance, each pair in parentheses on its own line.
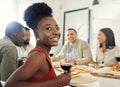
(55,31)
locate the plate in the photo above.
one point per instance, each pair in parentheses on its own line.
(96,66)
(82,79)
(75,74)
(106,72)
(82,69)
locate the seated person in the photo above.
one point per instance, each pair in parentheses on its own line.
(26,47)
(106,51)
(77,49)
(14,36)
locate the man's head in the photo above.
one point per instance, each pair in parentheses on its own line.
(72,35)
(27,36)
(15,31)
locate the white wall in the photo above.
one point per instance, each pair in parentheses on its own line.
(106,14)
(67,5)
(7,13)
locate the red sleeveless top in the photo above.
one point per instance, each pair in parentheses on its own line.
(50,75)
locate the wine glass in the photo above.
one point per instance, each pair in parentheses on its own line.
(117,56)
(51,54)
(21,61)
(66,64)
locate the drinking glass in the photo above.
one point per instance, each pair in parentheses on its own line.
(66,63)
(21,61)
(51,54)
(117,56)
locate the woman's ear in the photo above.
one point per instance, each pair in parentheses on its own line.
(36,33)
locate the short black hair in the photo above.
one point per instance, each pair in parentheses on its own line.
(73,30)
(36,12)
(110,39)
(13,27)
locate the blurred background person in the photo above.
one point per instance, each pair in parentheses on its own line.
(25,48)
(78,50)
(38,71)
(105,53)
(14,35)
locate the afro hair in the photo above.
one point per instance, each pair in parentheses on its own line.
(34,13)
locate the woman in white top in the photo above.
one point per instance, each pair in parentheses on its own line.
(107,47)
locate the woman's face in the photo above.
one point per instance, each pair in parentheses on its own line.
(48,32)
(101,37)
(72,36)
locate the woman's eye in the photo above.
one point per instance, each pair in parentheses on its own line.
(49,28)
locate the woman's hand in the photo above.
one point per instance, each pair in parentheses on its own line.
(64,79)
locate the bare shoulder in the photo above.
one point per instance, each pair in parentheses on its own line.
(36,58)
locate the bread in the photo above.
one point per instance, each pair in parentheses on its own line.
(94,64)
(116,68)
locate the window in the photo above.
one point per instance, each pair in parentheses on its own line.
(7,13)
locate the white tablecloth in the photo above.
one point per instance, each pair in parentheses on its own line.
(108,82)
(100,82)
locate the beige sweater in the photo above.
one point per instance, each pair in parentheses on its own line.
(82,51)
(108,57)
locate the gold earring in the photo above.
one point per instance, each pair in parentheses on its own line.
(38,39)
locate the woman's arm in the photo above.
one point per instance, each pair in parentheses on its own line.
(26,71)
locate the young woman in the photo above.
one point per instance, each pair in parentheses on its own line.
(37,71)
(107,47)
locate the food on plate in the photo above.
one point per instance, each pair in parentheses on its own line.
(81,69)
(116,68)
(94,64)
(57,66)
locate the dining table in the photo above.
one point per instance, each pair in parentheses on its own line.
(90,76)
(88,79)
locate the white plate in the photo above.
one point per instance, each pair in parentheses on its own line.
(82,79)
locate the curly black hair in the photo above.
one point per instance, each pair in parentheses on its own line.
(34,13)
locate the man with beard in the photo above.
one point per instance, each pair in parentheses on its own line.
(25,48)
(14,36)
